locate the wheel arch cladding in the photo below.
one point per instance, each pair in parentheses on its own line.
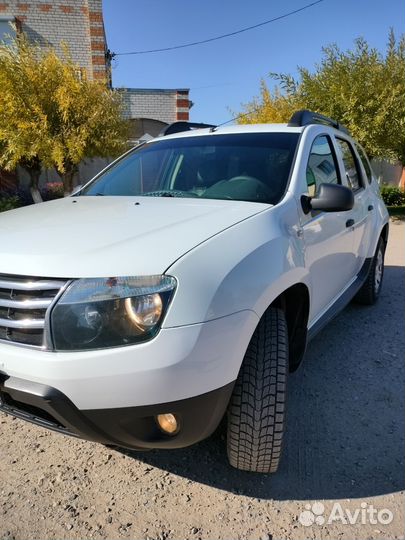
(384,233)
(295,302)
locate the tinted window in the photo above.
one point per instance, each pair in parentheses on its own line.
(349,161)
(246,167)
(321,166)
(366,163)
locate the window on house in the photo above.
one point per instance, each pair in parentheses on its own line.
(81,74)
(7,30)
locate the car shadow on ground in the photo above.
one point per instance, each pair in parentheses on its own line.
(345,415)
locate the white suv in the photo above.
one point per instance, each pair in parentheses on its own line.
(184,282)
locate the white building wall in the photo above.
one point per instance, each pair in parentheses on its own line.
(155,104)
(386,172)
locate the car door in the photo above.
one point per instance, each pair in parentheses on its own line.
(371,201)
(328,240)
(360,214)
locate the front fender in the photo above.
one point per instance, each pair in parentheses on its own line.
(244,268)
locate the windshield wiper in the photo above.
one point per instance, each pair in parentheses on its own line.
(169,193)
(159,193)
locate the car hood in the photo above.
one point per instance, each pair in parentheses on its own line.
(111,236)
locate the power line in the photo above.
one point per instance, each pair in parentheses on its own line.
(184,45)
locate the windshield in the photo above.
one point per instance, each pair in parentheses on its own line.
(251,167)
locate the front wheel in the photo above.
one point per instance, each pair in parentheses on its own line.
(256,412)
(371,288)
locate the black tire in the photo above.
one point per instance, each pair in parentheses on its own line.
(371,288)
(256,411)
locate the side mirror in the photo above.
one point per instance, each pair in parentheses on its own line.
(330,198)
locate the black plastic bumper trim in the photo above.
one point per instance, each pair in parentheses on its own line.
(130,427)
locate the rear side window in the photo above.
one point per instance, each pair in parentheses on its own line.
(321,167)
(349,161)
(366,163)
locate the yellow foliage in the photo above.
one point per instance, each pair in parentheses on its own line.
(49,112)
(269,108)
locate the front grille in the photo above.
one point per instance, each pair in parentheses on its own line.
(24,302)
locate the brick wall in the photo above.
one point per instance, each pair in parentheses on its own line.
(183,105)
(79,23)
(165,105)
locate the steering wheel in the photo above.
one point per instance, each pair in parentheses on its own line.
(246,178)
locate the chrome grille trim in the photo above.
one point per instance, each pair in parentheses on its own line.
(25,305)
(27,324)
(31,284)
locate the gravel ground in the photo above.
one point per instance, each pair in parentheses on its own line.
(344,445)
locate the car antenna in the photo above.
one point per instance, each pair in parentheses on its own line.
(242,115)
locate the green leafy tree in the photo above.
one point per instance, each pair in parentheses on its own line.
(361,88)
(52,116)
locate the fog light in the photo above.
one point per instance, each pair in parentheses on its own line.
(167,423)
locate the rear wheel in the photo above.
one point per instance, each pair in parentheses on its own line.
(371,288)
(256,412)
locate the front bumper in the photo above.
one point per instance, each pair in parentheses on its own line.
(179,363)
(113,395)
(130,427)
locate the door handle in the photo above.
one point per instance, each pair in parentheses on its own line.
(350,223)
(370,207)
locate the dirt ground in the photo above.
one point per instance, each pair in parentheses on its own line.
(344,445)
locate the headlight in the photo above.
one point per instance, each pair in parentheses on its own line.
(99,313)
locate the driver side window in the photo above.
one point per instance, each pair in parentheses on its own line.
(321,167)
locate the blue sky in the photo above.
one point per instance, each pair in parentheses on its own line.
(224,74)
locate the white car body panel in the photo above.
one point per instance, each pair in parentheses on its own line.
(329,258)
(240,268)
(111,236)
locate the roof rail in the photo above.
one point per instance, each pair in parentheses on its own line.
(178,127)
(305,118)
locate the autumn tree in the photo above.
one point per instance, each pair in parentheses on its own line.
(20,117)
(53,116)
(270,107)
(361,88)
